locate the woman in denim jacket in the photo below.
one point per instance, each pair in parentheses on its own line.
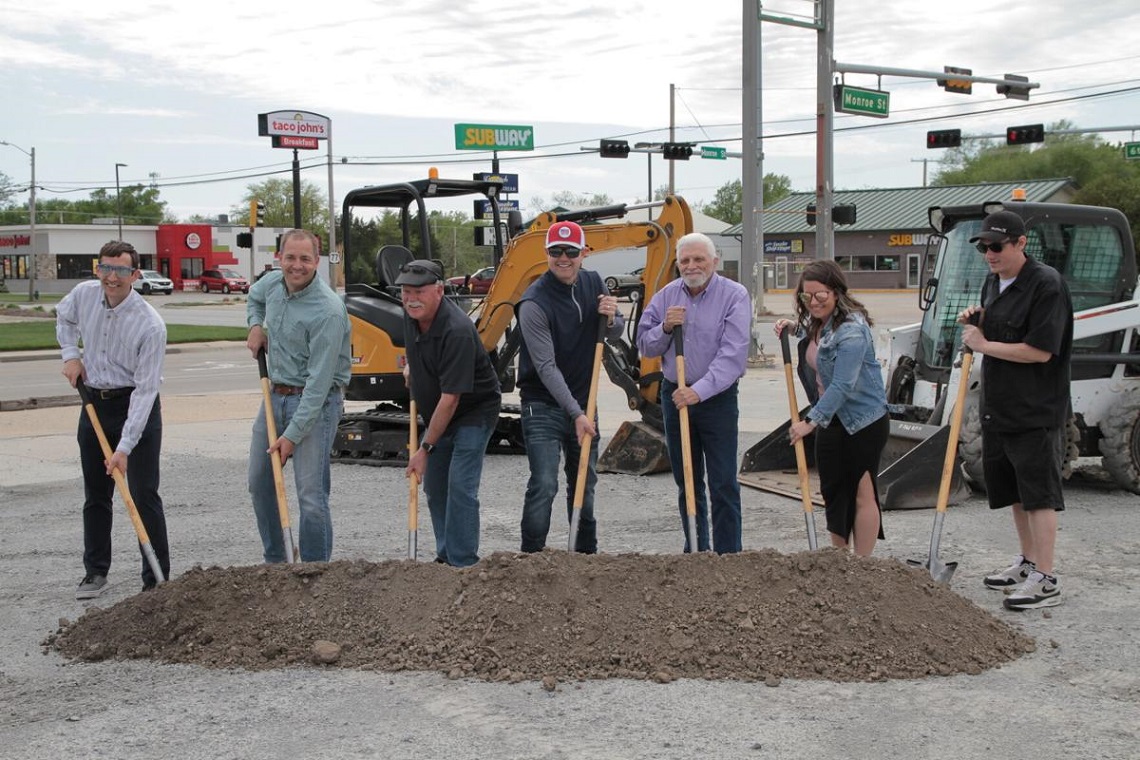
(844,383)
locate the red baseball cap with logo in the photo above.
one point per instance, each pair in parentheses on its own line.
(566,233)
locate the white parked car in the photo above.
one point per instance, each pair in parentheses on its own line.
(150,281)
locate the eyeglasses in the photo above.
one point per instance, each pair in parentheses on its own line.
(563,250)
(820,296)
(418,269)
(118,269)
(994,247)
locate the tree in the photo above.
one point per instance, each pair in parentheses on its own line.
(277,195)
(6,189)
(140,204)
(570,200)
(728,203)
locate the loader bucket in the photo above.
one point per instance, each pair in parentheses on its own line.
(637,448)
(909,472)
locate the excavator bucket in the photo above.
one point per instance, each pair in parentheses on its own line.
(909,474)
(637,448)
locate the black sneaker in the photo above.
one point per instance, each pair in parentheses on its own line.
(1038,590)
(148,587)
(91,587)
(1011,576)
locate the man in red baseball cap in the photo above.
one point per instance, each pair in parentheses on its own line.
(559,315)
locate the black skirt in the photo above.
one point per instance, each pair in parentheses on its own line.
(842,459)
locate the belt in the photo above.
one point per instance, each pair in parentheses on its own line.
(110,393)
(287,390)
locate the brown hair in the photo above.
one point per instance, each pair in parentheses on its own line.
(116,248)
(302,234)
(827,272)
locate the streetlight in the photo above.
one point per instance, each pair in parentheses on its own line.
(118,200)
(32,220)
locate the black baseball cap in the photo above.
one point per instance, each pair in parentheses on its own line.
(420,272)
(1000,226)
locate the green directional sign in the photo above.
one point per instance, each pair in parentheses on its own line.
(713,151)
(493,137)
(1132,150)
(857,100)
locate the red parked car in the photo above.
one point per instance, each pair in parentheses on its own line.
(475,284)
(225,280)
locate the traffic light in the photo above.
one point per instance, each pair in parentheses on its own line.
(960,86)
(1027,133)
(245,240)
(944,138)
(256,213)
(843,214)
(614,149)
(1013,91)
(676,151)
(811,215)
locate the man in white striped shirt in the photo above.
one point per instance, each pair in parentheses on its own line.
(124,345)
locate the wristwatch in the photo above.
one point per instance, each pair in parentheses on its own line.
(427,447)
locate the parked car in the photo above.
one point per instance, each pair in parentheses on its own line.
(476,284)
(625,285)
(225,280)
(150,281)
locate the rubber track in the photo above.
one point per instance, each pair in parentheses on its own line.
(507,438)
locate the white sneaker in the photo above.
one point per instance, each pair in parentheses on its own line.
(1011,576)
(1038,590)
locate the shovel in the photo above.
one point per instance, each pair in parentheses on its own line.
(941,571)
(587,440)
(801,456)
(686,444)
(121,482)
(275,458)
(413,484)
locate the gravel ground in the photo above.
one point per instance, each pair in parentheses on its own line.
(1075,696)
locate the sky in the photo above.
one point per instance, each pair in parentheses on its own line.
(173,89)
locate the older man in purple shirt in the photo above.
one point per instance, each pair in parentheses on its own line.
(716,316)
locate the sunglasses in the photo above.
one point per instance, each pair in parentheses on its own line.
(563,250)
(991,247)
(820,296)
(119,269)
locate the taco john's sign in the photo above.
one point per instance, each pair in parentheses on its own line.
(294,124)
(15,241)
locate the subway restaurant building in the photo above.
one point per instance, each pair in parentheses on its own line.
(885,245)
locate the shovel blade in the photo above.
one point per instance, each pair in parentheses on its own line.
(940,572)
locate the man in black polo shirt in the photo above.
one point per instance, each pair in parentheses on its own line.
(1026,339)
(457,392)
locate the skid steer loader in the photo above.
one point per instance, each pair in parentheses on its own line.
(1092,248)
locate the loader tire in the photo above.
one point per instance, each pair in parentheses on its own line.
(1120,441)
(970,441)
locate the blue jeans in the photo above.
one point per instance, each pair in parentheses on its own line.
(549,433)
(713,431)
(451,483)
(142,482)
(311,476)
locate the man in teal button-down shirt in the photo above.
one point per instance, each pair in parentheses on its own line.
(303,325)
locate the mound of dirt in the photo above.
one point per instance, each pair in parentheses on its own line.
(557,616)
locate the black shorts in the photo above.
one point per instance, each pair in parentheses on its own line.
(1024,468)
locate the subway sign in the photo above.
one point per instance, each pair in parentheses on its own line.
(493,137)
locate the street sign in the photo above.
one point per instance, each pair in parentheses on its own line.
(486,235)
(856,100)
(510,181)
(334,257)
(1132,150)
(713,151)
(493,137)
(483,208)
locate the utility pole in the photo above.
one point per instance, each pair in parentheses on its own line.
(672,138)
(31,220)
(922,161)
(119,200)
(752,181)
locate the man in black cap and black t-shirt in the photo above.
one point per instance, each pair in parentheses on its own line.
(1026,339)
(455,387)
